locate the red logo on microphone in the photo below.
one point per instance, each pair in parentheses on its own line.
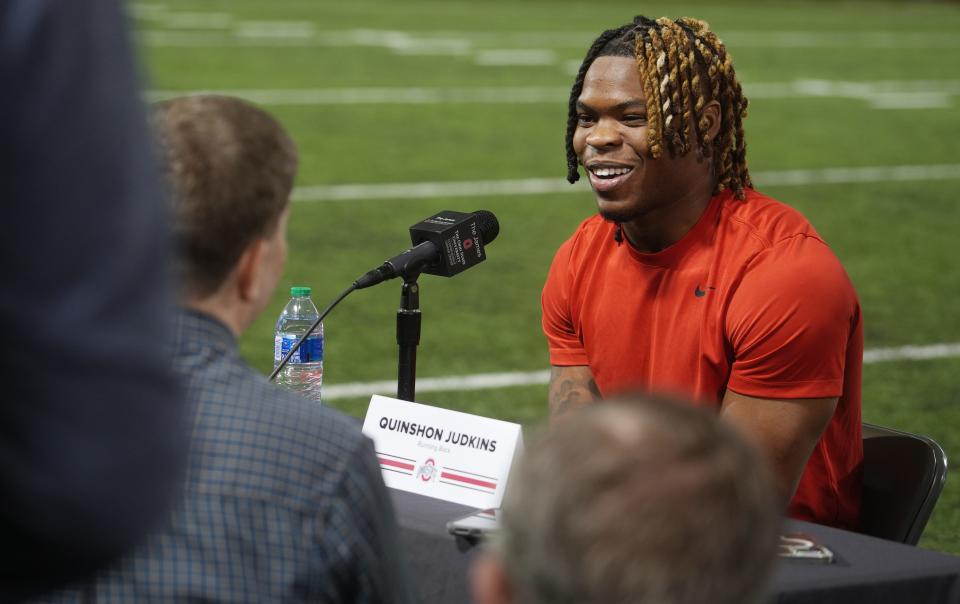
(467,244)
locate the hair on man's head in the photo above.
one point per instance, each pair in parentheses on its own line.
(640,501)
(682,65)
(230,168)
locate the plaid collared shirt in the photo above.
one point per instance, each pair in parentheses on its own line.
(283,498)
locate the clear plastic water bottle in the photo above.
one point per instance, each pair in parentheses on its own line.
(303,373)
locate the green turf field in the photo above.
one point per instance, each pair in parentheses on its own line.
(845,85)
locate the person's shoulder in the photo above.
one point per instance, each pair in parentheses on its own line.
(766,220)
(591,226)
(589,232)
(782,252)
(292,441)
(787,258)
(314,422)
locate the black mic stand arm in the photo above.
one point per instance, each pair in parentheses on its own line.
(408,337)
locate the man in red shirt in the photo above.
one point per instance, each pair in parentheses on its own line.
(689,282)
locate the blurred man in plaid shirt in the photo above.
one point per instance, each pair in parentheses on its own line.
(283,499)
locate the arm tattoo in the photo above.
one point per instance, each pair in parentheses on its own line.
(570,393)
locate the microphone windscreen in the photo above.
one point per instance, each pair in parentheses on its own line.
(488,224)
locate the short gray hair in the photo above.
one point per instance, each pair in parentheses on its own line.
(640,501)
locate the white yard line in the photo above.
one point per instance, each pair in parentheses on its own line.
(479,381)
(818,39)
(733,39)
(258,34)
(202,21)
(912,353)
(484,381)
(146,11)
(570,39)
(884,94)
(848,88)
(866,174)
(385,96)
(275,29)
(879,94)
(512,57)
(541,186)
(425,190)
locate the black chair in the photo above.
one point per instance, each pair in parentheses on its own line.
(903,475)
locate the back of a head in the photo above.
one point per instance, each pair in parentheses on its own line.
(643,502)
(230,167)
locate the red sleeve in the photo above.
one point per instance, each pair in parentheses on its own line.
(565,345)
(789,322)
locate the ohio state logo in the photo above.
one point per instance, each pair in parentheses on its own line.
(428,471)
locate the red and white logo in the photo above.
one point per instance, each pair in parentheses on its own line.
(428,471)
(467,244)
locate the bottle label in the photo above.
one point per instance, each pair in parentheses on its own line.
(311,351)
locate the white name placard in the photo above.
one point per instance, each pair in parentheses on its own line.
(440,453)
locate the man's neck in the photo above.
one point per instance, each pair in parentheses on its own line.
(230,314)
(662,227)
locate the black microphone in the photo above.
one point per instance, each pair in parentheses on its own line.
(444,244)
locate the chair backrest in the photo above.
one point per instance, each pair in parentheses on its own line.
(903,475)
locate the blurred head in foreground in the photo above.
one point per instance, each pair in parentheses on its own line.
(230,167)
(637,501)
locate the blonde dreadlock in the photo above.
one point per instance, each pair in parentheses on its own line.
(682,66)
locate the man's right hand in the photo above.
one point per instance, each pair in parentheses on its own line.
(571,388)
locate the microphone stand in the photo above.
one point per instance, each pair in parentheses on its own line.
(408,337)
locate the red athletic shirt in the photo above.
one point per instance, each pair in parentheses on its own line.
(751,299)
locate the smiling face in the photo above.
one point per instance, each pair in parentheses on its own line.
(611,143)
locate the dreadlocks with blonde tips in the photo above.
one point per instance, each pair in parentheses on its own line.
(682,66)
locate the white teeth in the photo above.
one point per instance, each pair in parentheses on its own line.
(610,171)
